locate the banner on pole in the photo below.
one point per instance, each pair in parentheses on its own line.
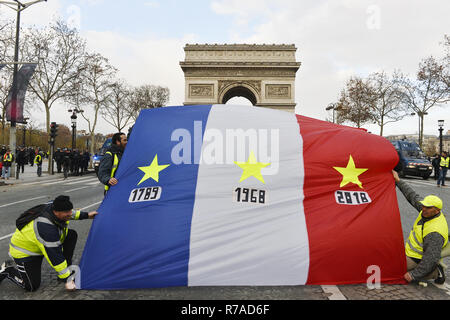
(16,96)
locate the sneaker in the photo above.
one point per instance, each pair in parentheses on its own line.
(441,277)
(7,264)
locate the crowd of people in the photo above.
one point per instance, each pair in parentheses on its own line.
(75,162)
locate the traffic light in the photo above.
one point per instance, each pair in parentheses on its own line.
(53,130)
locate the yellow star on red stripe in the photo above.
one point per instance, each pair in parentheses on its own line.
(350,174)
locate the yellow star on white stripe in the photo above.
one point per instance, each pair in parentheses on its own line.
(252,168)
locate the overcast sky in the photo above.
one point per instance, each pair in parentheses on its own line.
(336,39)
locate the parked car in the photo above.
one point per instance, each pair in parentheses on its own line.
(99,155)
(413,161)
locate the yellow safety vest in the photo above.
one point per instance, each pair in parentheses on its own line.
(114,167)
(27,243)
(7,157)
(445,162)
(414,245)
(37,159)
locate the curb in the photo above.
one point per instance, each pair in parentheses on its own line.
(44,178)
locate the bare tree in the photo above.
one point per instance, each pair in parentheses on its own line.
(59,51)
(6,40)
(446,62)
(148,97)
(426,91)
(356,103)
(387,106)
(93,88)
(116,111)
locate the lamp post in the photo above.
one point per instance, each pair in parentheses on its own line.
(441,129)
(73,118)
(25,130)
(19,8)
(332,106)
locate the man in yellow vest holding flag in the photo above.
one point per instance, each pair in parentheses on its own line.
(427,238)
(110,162)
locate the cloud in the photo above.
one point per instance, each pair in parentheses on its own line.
(337,39)
(152,4)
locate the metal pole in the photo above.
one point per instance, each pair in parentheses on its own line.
(13,129)
(24,134)
(440,140)
(74,128)
(50,158)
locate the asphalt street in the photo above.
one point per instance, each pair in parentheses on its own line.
(87,193)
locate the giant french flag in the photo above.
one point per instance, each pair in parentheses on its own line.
(245,196)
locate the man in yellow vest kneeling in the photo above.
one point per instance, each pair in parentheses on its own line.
(427,238)
(43,232)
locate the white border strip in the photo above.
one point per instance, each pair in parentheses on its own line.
(336,294)
(11,204)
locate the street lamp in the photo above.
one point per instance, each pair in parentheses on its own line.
(334,107)
(441,129)
(73,118)
(24,130)
(19,8)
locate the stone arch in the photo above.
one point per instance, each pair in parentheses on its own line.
(239,89)
(264,74)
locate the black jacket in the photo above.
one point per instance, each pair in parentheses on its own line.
(48,229)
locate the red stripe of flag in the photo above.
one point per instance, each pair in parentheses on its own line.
(346,240)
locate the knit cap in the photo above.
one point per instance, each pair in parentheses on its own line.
(62,204)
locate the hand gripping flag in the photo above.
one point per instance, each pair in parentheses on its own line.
(16,97)
(235,196)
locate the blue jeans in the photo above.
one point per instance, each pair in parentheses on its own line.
(6,172)
(442,175)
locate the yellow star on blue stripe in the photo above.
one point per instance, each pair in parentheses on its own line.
(152,171)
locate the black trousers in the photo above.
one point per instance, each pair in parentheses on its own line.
(27,275)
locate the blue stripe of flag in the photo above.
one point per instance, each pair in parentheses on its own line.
(144,245)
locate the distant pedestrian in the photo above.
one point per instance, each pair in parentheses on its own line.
(21,159)
(31,156)
(435,162)
(66,162)
(58,160)
(7,160)
(444,164)
(86,157)
(38,162)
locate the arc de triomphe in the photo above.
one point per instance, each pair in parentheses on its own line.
(264,74)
